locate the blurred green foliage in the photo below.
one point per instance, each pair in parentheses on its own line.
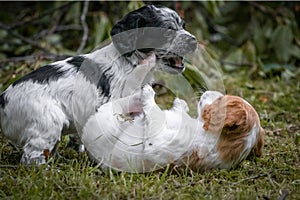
(263,36)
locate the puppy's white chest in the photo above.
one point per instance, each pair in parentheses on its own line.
(136,146)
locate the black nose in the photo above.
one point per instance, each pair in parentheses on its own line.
(188,42)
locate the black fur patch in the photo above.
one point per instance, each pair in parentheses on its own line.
(96,74)
(147,16)
(134,39)
(3,100)
(104,84)
(42,75)
(76,61)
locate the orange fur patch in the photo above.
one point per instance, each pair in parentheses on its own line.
(233,119)
(46,154)
(194,162)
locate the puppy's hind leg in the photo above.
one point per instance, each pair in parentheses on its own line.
(42,134)
(37,150)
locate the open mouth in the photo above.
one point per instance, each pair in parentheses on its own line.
(175,63)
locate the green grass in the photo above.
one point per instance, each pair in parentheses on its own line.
(75,177)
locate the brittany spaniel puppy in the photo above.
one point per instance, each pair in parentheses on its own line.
(37,108)
(226,131)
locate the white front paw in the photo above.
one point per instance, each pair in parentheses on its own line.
(136,97)
(181,105)
(147,92)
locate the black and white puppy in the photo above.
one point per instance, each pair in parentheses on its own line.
(37,108)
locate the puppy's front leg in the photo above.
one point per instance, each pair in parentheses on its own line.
(180,105)
(147,97)
(155,118)
(129,104)
(132,102)
(140,75)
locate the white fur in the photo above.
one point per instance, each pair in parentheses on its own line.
(154,138)
(149,140)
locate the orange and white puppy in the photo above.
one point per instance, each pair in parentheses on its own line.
(233,128)
(226,131)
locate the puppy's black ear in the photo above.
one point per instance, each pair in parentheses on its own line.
(136,19)
(125,34)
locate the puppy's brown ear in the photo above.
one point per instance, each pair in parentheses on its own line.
(213,115)
(227,114)
(257,149)
(237,119)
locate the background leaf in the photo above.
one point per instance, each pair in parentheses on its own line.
(281,41)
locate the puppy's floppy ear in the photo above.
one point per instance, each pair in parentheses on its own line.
(134,19)
(126,43)
(229,114)
(236,120)
(226,113)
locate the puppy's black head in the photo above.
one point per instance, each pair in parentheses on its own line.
(154,29)
(149,16)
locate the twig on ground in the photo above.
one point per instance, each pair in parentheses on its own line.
(272,182)
(252,177)
(284,195)
(84,26)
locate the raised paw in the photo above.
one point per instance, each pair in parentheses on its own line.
(136,97)
(147,95)
(180,105)
(147,92)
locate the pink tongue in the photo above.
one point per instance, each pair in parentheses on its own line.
(177,62)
